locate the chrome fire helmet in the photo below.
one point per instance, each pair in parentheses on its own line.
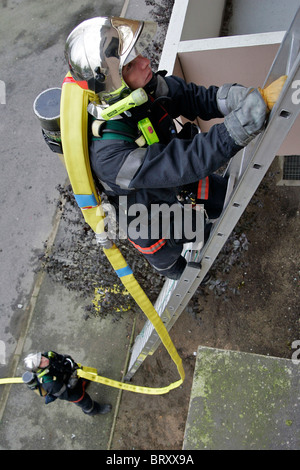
(98,48)
(32,361)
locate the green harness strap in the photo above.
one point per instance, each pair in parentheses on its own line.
(122,134)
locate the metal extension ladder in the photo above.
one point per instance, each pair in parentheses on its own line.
(245,172)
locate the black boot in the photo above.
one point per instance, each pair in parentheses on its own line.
(100,409)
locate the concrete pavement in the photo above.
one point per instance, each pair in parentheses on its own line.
(37,313)
(58,322)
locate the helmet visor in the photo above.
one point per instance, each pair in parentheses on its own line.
(134,37)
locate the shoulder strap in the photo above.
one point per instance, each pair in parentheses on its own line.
(47,378)
(108,130)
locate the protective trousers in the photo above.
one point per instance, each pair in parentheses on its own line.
(81,398)
(164,254)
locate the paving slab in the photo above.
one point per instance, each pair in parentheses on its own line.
(243,401)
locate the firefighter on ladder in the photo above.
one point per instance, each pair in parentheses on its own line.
(104,56)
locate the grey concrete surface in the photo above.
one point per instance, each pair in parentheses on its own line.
(58,323)
(242,401)
(32,41)
(35,313)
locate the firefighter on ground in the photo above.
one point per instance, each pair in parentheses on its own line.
(54,376)
(105,56)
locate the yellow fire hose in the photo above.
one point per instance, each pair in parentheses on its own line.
(11,380)
(124,272)
(130,283)
(119,264)
(74,125)
(74,119)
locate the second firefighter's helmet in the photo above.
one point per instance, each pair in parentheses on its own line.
(32,361)
(98,48)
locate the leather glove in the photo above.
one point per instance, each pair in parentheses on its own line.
(272,92)
(229,97)
(247,121)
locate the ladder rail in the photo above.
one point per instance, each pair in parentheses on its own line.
(245,172)
(287,53)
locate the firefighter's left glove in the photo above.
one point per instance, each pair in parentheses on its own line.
(229,97)
(248,120)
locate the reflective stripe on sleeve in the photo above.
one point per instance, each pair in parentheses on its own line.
(129,168)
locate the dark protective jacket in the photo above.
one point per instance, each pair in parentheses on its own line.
(60,380)
(159,172)
(56,377)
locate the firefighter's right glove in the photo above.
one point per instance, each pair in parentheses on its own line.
(247,121)
(271,93)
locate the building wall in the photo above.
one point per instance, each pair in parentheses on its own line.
(260,16)
(214,60)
